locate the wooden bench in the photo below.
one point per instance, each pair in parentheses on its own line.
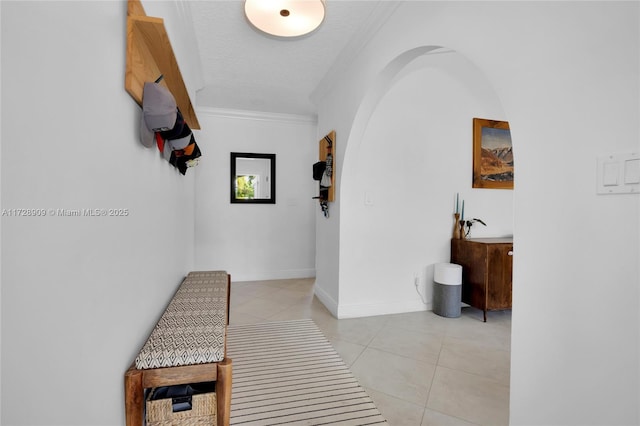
(187,345)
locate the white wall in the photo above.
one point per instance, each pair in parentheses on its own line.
(256,241)
(79,294)
(414,157)
(0,222)
(566,75)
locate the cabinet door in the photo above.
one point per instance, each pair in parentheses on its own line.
(500,267)
(472,257)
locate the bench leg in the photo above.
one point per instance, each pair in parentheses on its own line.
(223,392)
(133,397)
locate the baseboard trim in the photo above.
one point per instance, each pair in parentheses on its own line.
(328,301)
(357,310)
(273,275)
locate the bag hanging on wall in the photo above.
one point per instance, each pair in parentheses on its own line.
(318,170)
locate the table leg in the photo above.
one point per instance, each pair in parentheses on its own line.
(133,397)
(223,392)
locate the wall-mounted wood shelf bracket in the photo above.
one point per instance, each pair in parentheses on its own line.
(327,146)
(149,55)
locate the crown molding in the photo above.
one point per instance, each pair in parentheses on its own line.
(257,115)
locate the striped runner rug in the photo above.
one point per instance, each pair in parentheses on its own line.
(287,372)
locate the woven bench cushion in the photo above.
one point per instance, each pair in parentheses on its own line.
(192,328)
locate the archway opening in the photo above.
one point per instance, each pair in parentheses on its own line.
(408,154)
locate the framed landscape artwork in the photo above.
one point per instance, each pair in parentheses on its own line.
(492,154)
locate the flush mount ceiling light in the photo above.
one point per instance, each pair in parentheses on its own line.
(285,18)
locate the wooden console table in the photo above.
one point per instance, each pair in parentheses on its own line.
(487,265)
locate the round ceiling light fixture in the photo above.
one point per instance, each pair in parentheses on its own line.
(285,18)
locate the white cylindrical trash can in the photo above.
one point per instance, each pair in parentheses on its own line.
(447,290)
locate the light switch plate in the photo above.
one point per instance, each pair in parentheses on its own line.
(618,174)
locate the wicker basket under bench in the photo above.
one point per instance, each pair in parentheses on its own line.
(187,345)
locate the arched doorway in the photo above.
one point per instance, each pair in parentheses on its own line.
(408,154)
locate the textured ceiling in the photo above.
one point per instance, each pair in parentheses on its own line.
(248,70)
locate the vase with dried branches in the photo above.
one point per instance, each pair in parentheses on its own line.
(467,224)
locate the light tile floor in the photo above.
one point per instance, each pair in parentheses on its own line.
(420,369)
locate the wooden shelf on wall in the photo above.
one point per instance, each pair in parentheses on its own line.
(149,55)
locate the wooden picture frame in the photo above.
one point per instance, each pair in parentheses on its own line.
(492,154)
